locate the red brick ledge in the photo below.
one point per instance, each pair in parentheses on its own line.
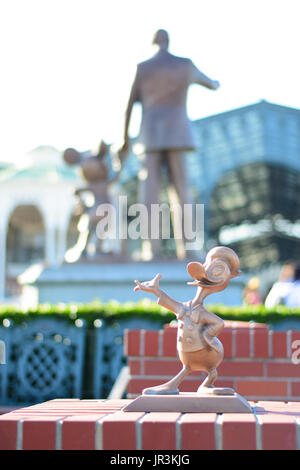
(257,361)
(71,424)
(240,339)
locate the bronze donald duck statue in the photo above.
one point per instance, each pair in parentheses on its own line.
(198,347)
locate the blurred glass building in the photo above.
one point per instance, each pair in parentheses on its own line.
(247,173)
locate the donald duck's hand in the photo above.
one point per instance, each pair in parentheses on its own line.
(149,286)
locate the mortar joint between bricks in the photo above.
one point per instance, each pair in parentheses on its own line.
(251,339)
(19,440)
(289,343)
(258,429)
(219,431)
(270,343)
(289,388)
(178,432)
(139,432)
(142,351)
(99,431)
(142,342)
(160,342)
(58,434)
(233,340)
(265,367)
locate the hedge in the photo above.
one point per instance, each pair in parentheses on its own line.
(113,310)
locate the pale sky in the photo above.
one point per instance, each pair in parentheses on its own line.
(67,65)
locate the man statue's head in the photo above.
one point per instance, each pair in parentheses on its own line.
(161,39)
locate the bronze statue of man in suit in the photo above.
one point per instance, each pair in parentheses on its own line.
(160,85)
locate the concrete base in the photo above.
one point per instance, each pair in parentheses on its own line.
(191,403)
(84,282)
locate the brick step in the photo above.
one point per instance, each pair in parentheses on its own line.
(101,424)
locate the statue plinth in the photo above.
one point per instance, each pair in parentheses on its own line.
(191,403)
(88,280)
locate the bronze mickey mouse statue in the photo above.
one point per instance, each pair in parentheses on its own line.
(95,171)
(198,347)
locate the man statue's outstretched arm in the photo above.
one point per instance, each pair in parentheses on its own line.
(202,79)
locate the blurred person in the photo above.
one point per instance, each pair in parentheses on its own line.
(292,298)
(251,295)
(280,288)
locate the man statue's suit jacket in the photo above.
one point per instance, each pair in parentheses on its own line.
(160,85)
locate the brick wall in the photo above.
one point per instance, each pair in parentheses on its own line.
(71,424)
(257,361)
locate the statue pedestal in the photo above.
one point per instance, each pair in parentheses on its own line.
(84,282)
(191,403)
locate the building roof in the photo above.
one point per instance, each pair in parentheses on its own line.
(262,104)
(41,164)
(41,174)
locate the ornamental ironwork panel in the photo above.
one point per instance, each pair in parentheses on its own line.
(4,354)
(45,361)
(109,351)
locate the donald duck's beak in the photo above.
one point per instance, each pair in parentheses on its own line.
(211,274)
